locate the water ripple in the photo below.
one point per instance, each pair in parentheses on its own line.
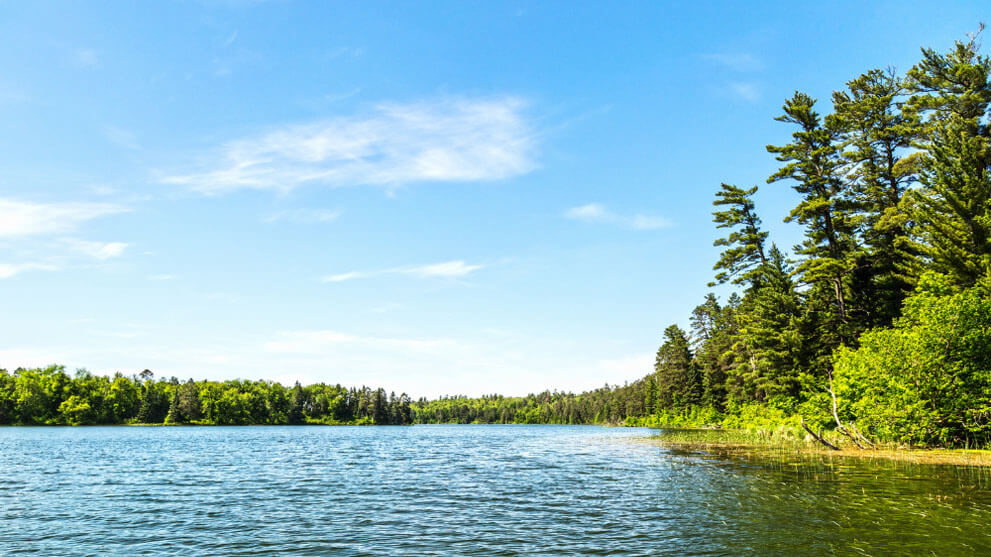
(458,490)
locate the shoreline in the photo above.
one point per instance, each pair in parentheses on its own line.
(744,443)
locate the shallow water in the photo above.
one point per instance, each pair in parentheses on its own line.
(445,490)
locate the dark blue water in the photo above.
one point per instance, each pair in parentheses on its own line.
(462,490)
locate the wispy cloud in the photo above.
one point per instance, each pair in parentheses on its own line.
(229,40)
(741,63)
(21,218)
(96,250)
(86,58)
(598,213)
(122,138)
(451,140)
(161,277)
(736,61)
(448,269)
(304,216)
(746,90)
(345,52)
(8,270)
(315,342)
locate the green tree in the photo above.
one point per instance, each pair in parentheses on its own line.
(75,410)
(674,370)
(295,416)
(770,341)
(878,136)
(814,165)
(953,209)
(927,380)
(744,252)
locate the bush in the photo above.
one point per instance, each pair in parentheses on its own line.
(927,380)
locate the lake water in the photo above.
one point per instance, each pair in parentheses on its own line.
(463,490)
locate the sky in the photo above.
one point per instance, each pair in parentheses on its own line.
(431,197)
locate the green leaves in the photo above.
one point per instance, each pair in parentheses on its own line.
(927,380)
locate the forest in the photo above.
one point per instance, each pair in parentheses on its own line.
(876,326)
(49,396)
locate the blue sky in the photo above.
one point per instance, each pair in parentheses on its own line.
(432,197)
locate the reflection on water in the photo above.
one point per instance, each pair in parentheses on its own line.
(486,490)
(814,503)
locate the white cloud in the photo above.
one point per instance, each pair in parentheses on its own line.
(96,250)
(452,140)
(86,58)
(20,218)
(737,61)
(447,269)
(304,216)
(348,276)
(122,138)
(746,90)
(648,222)
(598,213)
(316,342)
(8,270)
(592,211)
(161,277)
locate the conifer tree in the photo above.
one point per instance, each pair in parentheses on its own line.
(713,330)
(295,416)
(770,339)
(175,414)
(953,209)
(744,251)
(878,135)
(673,368)
(813,163)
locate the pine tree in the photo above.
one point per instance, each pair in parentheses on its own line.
(673,368)
(650,396)
(813,163)
(744,251)
(175,414)
(295,416)
(953,209)
(713,329)
(878,135)
(770,336)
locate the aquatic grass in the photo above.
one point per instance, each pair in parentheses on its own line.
(782,439)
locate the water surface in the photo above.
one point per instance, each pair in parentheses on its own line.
(445,490)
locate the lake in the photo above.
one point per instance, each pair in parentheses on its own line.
(462,490)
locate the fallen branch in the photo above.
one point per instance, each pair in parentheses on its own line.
(836,416)
(819,438)
(862,436)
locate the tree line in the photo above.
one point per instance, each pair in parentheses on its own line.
(880,318)
(50,396)
(878,323)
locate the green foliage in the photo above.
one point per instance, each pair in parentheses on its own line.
(744,252)
(49,396)
(679,382)
(880,166)
(927,380)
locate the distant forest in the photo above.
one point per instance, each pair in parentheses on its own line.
(50,396)
(876,326)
